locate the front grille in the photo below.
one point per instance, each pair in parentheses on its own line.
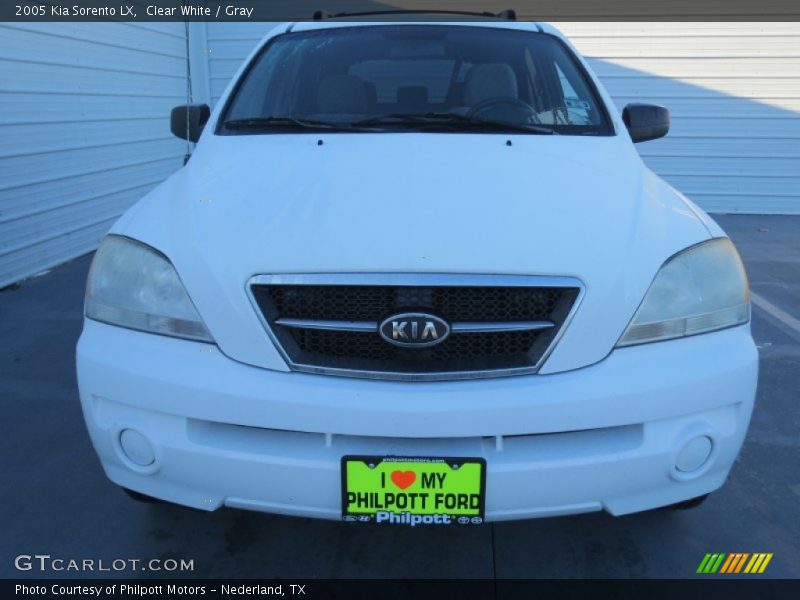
(370,303)
(365,353)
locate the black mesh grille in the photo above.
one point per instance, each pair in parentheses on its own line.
(367,351)
(374,303)
(371,345)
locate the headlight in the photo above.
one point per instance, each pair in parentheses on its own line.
(700,289)
(135,286)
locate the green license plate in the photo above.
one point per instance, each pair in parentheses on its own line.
(413,490)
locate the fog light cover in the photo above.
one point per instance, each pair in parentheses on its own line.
(694,454)
(136,448)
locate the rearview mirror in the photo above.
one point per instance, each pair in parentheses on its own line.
(646,121)
(187,120)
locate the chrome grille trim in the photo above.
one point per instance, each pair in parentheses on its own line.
(415,280)
(499,327)
(465,327)
(412,280)
(329,325)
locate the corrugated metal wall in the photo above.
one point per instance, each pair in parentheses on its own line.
(733,90)
(84,132)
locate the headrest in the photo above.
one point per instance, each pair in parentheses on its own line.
(496,80)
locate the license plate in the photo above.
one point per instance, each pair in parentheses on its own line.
(413,490)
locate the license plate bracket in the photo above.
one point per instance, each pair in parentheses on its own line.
(413,490)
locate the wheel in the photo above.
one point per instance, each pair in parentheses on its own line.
(687,504)
(139,497)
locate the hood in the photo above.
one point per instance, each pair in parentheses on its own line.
(577,206)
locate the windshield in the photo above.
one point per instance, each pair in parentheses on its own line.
(392,77)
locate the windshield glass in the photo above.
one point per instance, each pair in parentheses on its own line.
(379,77)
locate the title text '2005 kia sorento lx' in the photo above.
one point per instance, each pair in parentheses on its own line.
(417,273)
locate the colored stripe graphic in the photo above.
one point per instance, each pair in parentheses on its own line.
(711,563)
(716,565)
(703,563)
(740,564)
(758,563)
(729,562)
(734,562)
(767,558)
(755,562)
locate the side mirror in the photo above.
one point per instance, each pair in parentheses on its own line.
(646,121)
(193,115)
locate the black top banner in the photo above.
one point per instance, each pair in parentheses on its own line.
(304,10)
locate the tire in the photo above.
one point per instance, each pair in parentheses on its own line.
(139,497)
(687,504)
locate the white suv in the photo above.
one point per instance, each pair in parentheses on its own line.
(417,273)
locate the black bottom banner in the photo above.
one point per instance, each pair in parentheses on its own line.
(315,589)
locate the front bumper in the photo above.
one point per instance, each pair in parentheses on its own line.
(605,437)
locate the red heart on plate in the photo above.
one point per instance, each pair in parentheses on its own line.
(403,479)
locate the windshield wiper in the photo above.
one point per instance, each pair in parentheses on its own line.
(432,119)
(453,120)
(281,122)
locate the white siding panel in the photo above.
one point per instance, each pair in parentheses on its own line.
(229,44)
(733,90)
(84,132)
(50,194)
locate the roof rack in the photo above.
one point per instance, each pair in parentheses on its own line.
(506,15)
